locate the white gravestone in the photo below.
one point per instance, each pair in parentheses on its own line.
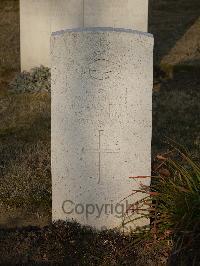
(39,18)
(128,14)
(101,122)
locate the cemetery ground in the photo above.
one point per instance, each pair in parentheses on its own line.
(26,178)
(26,233)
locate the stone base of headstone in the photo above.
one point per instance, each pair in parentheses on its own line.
(101,123)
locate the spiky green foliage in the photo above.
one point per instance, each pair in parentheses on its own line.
(179,195)
(173,203)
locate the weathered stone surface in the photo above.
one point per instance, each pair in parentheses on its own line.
(38,18)
(101,122)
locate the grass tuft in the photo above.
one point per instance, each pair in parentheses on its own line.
(173,205)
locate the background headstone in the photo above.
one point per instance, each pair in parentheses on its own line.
(127,14)
(38,18)
(101,122)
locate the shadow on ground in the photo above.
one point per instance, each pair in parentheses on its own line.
(171,22)
(69,244)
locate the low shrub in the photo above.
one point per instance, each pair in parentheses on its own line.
(37,80)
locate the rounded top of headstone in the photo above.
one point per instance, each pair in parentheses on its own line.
(102,29)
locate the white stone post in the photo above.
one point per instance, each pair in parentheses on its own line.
(38,18)
(101,122)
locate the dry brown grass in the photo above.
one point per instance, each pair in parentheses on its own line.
(25,151)
(9,36)
(26,182)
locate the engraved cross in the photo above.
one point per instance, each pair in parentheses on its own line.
(101,151)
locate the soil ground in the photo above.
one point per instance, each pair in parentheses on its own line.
(26,233)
